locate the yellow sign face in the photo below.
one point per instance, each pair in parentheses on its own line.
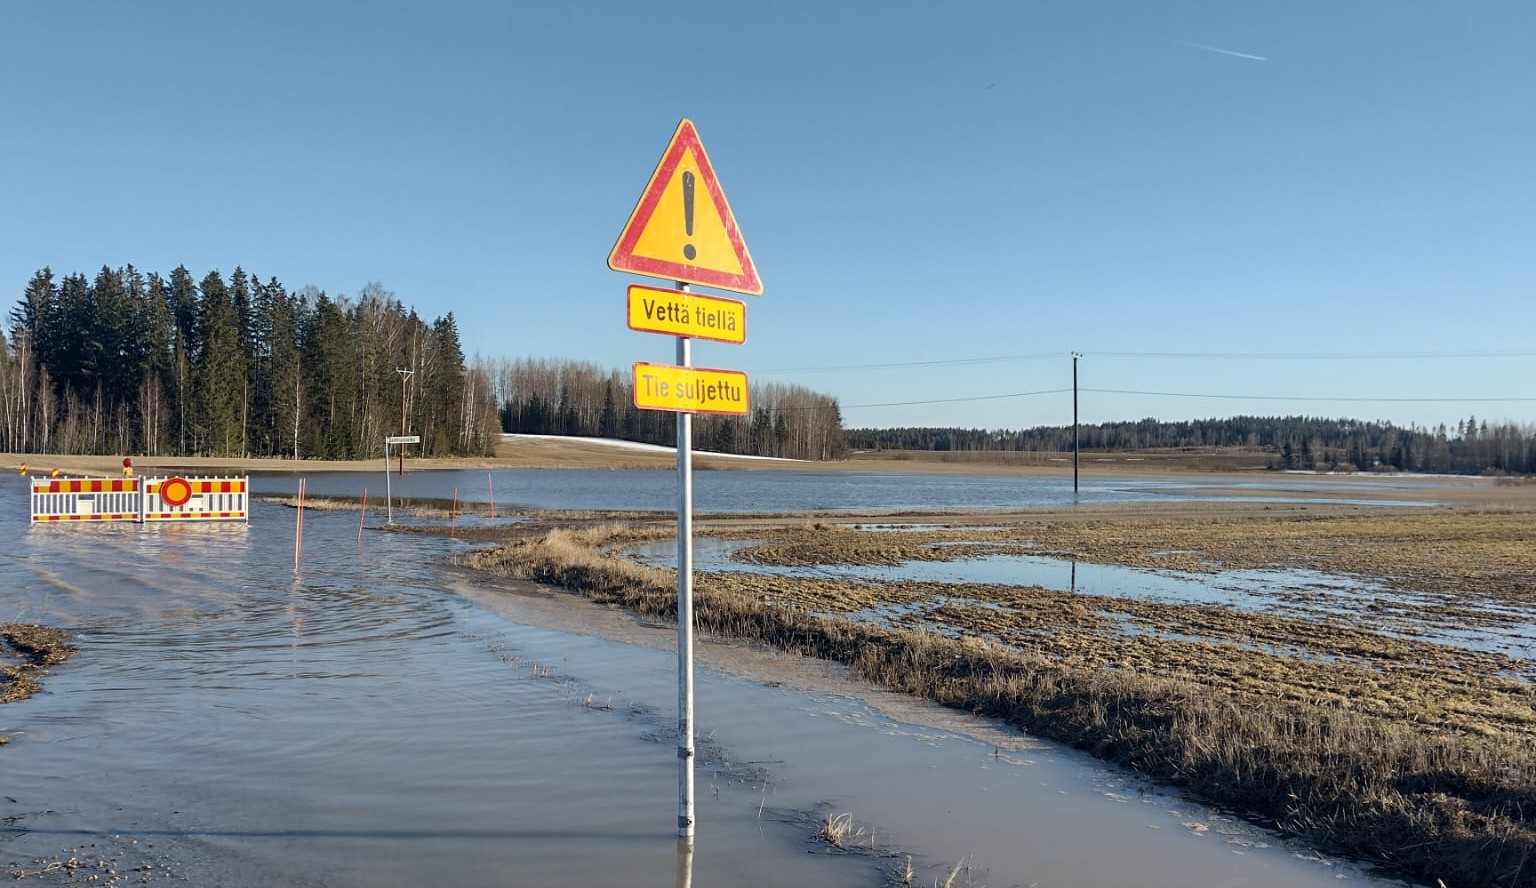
(682,229)
(690,389)
(652,310)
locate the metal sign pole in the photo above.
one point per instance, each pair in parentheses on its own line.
(389,499)
(684,604)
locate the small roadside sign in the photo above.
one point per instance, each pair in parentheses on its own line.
(682,229)
(677,313)
(403,439)
(690,389)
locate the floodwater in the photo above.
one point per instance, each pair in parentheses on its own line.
(378,717)
(1476,624)
(731,491)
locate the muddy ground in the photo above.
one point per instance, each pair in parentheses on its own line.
(1374,652)
(1345,706)
(26,653)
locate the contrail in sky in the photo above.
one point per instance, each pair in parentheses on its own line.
(1228,52)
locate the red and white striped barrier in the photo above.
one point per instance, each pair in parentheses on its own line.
(85,499)
(196,499)
(140,499)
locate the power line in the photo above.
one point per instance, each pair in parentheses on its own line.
(1199,395)
(1306,397)
(958,400)
(1191,355)
(1331,356)
(901,364)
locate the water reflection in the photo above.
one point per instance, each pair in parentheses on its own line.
(685,862)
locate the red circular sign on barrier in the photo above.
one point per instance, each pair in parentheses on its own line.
(175,491)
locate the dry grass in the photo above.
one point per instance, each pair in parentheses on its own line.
(1251,658)
(1488,551)
(838,830)
(32,649)
(1350,774)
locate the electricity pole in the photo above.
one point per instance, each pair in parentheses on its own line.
(404,375)
(1075,439)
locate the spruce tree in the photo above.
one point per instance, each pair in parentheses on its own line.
(220,370)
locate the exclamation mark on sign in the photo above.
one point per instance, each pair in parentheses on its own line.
(688,251)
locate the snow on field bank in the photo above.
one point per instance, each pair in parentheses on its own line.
(620,444)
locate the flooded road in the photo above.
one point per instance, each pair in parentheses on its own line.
(380,718)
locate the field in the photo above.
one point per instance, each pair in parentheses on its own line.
(1369,703)
(1343,710)
(1183,459)
(534,451)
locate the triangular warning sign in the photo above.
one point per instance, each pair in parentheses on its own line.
(682,229)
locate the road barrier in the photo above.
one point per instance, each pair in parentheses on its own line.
(140,499)
(85,499)
(196,499)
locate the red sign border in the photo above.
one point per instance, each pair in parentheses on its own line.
(623,257)
(169,482)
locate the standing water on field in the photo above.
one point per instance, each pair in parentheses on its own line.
(378,718)
(735,491)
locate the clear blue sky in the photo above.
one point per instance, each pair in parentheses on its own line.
(944,200)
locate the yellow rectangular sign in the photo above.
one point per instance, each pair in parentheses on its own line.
(653,310)
(690,389)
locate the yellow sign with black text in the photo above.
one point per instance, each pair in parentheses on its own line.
(654,310)
(690,389)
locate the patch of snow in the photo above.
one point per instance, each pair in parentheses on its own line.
(621,444)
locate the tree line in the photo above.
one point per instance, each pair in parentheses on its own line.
(133,362)
(139,363)
(561,397)
(1294,442)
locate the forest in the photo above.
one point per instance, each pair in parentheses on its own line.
(558,397)
(1294,442)
(137,363)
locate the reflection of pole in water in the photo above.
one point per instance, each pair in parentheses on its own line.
(1074,575)
(296,620)
(685,862)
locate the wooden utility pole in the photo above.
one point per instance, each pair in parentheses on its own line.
(1075,439)
(404,375)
